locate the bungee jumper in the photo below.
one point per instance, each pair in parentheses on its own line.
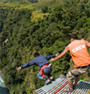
(44,65)
(81,58)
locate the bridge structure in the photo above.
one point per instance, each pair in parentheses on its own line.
(3,89)
(57,86)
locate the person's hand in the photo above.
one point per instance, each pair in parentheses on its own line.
(52,59)
(19,68)
(56,54)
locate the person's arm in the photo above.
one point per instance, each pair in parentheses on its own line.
(51,56)
(87,43)
(26,65)
(61,55)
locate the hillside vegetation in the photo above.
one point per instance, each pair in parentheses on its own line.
(45,27)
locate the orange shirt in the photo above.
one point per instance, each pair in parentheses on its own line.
(79,53)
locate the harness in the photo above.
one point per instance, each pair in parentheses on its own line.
(46,66)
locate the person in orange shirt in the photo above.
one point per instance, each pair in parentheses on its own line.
(81,58)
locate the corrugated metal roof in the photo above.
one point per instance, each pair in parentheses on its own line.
(60,83)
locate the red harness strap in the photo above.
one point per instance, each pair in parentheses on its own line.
(60,88)
(42,68)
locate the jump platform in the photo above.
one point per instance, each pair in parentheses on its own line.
(57,86)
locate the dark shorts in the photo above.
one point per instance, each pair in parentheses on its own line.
(76,72)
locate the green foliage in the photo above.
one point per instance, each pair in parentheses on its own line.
(44,26)
(20,1)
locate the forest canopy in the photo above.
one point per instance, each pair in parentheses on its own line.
(43,26)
